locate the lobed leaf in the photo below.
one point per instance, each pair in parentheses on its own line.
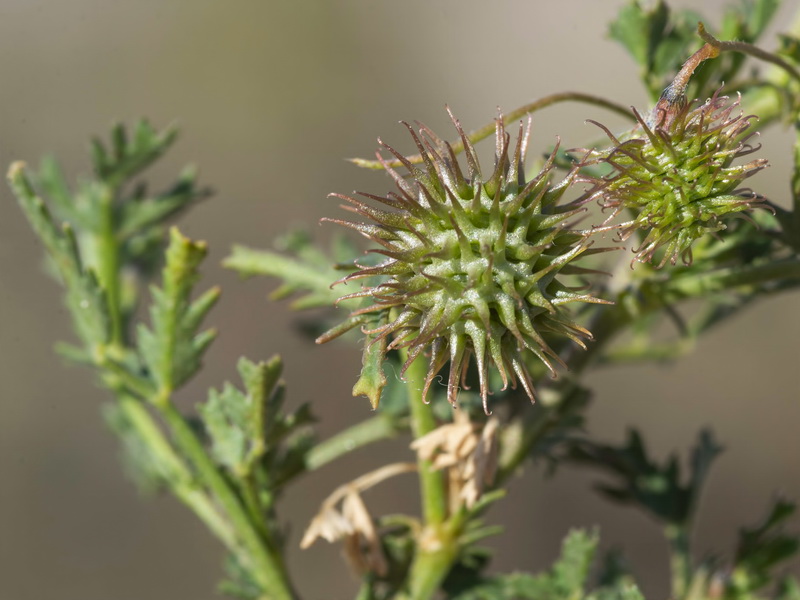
(640,480)
(249,431)
(129,153)
(84,298)
(173,346)
(566,580)
(762,548)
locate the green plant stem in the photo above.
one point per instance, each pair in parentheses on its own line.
(429,569)
(680,559)
(431,482)
(437,543)
(246,529)
(609,321)
(253,504)
(266,565)
(380,427)
(720,280)
(109,267)
(437,551)
(489,129)
(658,293)
(749,49)
(179,478)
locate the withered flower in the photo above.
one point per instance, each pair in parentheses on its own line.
(469,453)
(352,523)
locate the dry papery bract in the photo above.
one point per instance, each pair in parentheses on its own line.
(468,451)
(352,523)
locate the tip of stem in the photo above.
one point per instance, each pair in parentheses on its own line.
(16,168)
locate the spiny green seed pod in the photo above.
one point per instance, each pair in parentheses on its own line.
(471,266)
(676,177)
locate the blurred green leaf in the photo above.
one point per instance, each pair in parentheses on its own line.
(640,480)
(761,549)
(173,346)
(789,589)
(789,47)
(250,433)
(239,582)
(661,39)
(226,418)
(85,299)
(564,581)
(301,267)
(128,153)
(640,30)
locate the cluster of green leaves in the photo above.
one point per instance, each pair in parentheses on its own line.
(304,269)
(725,276)
(638,480)
(660,38)
(643,482)
(105,254)
(247,428)
(567,579)
(105,239)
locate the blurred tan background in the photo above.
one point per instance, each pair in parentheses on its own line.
(271,96)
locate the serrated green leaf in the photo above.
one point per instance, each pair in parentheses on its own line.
(172,347)
(84,297)
(250,432)
(762,548)
(52,182)
(225,418)
(565,580)
(640,480)
(129,155)
(139,214)
(572,569)
(660,40)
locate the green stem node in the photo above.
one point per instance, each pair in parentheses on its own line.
(432,484)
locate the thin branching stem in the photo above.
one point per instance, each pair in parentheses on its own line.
(374,429)
(749,49)
(179,478)
(680,559)
(489,129)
